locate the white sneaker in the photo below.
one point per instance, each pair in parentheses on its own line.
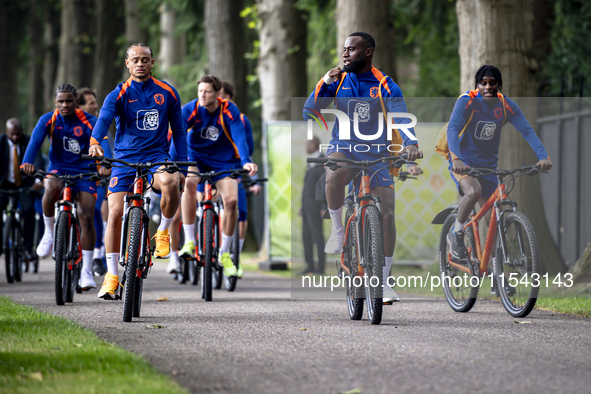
(86,280)
(389,295)
(44,248)
(334,245)
(174,266)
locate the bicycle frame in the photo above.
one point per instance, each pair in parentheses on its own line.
(498,198)
(137,201)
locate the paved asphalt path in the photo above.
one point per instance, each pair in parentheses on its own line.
(259,340)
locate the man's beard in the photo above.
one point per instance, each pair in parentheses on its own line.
(354,67)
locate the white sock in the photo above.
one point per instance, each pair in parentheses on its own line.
(189,232)
(49,222)
(336,217)
(386,271)
(164,223)
(459,226)
(96,254)
(241,244)
(87,260)
(113,263)
(104,232)
(226,242)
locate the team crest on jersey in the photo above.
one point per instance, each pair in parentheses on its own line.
(361,108)
(77,131)
(71,145)
(210,133)
(148,119)
(113,181)
(485,130)
(373,92)
(498,113)
(159,99)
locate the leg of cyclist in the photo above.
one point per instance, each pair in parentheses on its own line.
(112,245)
(174,265)
(189,202)
(387,197)
(242,223)
(86,207)
(228,189)
(471,190)
(168,184)
(53,188)
(335,196)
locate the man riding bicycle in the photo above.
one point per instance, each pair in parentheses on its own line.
(142,108)
(356,89)
(217,142)
(69,130)
(473,137)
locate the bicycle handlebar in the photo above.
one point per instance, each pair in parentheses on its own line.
(91,176)
(524,170)
(107,162)
(236,173)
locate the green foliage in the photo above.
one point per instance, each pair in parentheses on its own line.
(569,61)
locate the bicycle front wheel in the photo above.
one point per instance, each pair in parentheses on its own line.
(17,260)
(132,263)
(515,269)
(373,256)
(355,290)
(208,255)
(457,284)
(62,274)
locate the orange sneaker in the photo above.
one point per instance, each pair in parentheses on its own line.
(109,287)
(162,250)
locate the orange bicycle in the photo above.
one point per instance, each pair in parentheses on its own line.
(516,269)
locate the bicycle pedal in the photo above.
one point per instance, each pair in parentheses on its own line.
(388,303)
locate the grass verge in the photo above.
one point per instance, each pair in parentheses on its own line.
(42,353)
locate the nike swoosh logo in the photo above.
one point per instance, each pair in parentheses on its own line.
(131,101)
(346,88)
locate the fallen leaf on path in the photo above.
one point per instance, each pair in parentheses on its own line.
(354,391)
(165,298)
(158,326)
(303,329)
(522,322)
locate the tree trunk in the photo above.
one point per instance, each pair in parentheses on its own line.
(51,32)
(582,269)
(108,63)
(282,57)
(375,18)
(9,45)
(133,27)
(225,45)
(503,36)
(87,30)
(172,46)
(35,30)
(69,65)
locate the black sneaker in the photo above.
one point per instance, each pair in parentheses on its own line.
(98,268)
(456,244)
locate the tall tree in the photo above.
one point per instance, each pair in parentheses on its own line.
(500,32)
(282,57)
(70,62)
(172,45)
(224,32)
(373,17)
(11,21)
(51,32)
(108,65)
(134,32)
(35,30)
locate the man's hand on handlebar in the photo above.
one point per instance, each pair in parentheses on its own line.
(251,168)
(413,152)
(459,167)
(96,150)
(544,165)
(28,168)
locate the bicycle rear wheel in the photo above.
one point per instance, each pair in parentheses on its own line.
(208,255)
(355,293)
(8,245)
(521,261)
(62,275)
(373,252)
(457,284)
(132,263)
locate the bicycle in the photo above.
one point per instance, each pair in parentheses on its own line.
(13,231)
(208,235)
(363,249)
(231,281)
(512,235)
(135,251)
(67,249)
